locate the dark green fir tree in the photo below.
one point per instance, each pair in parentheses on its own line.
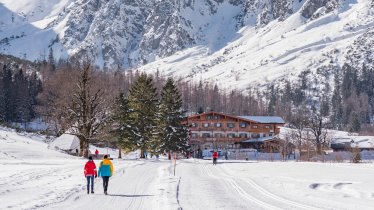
(143,100)
(172,133)
(122,124)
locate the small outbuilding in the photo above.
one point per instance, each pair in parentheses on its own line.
(346,143)
(66,142)
(269,144)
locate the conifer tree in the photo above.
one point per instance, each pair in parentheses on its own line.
(122,125)
(22,101)
(51,60)
(173,135)
(143,104)
(2,99)
(8,93)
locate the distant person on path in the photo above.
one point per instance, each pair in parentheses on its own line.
(106,171)
(97,153)
(90,173)
(145,154)
(215,157)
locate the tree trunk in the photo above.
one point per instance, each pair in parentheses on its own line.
(119,152)
(81,146)
(319,148)
(86,148)
(169,155)
(142,153)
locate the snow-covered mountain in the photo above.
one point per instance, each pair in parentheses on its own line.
(234,42)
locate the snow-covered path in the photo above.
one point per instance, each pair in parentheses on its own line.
(131,187)
(150,184)
(221,190)
(35,177)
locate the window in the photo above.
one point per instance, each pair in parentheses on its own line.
(217,117)
(230,125)
(267,126)
(231,135)
(205,125)
(254,126)
(206,135)
(218,125)
(194,125)
(243,135)
(194,135)
(209,117)
(255,135)
(243,125)
(218,135)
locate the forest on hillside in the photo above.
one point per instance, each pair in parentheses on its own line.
(340,98)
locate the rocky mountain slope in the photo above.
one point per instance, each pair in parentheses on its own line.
(234,42)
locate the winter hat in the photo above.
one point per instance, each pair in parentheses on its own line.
(90,158)
(105,156)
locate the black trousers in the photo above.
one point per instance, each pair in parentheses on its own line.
(105,183)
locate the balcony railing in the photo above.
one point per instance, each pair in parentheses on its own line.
(218,139)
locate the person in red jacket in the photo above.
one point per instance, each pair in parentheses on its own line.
(96,153)
(215,157)
(90,173)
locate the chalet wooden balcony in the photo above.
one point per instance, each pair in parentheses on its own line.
(218,139)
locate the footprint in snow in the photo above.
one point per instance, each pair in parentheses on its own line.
(339,186)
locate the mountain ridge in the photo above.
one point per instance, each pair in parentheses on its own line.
(233,41)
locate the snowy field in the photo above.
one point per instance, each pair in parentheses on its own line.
(35,177)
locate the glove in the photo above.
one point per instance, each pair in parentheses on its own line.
(95,176)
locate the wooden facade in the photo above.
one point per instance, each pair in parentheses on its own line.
(213,130)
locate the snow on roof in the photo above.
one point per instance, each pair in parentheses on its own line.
(355,141)
(263,139)
(264,119)
(65,142)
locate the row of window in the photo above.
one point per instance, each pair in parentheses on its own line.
(216,117)
(229,125)
(228,135)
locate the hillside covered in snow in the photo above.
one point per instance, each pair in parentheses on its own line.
(236,42)
(33,176)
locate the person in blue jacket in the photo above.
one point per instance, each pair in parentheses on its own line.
(106,171)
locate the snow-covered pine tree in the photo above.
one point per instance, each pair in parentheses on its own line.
(143,102)
(172,134)
(122,124)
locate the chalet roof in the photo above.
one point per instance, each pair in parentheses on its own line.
(264,119)
(259,119)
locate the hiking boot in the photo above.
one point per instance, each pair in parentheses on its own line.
(88,192)
(92,192)
(105,193)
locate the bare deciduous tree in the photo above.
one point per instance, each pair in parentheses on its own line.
(86,113)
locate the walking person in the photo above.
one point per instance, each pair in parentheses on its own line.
(145,154)
(215,157)
(90,173)
(97,153)
(106,171)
